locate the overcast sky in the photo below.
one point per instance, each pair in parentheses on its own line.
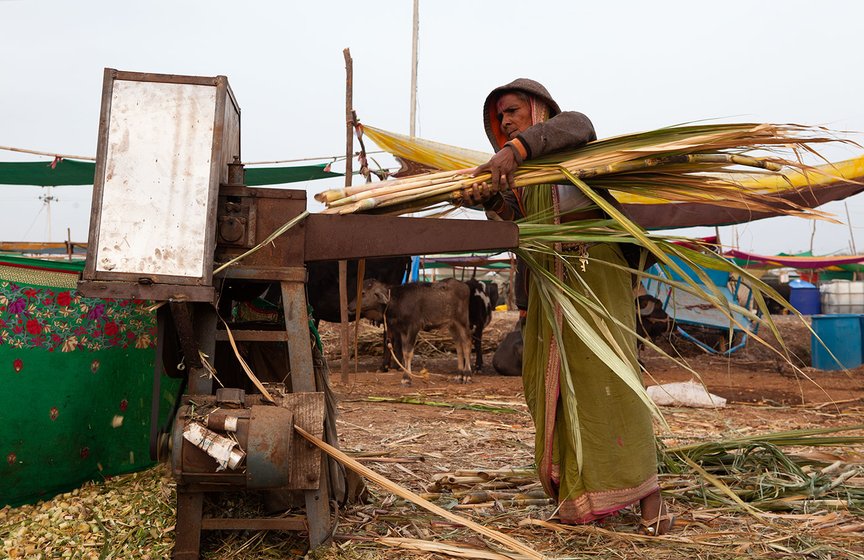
(629,66)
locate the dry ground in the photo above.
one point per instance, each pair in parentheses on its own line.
(485,425)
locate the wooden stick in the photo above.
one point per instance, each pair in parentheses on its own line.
(343,265)
(384,482)
(38,153)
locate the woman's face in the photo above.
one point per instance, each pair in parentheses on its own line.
(514,114)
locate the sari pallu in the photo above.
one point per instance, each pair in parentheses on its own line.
(619,459)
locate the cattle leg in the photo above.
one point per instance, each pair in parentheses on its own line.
(462,339)
(385,355)
(407,354)
(477,339)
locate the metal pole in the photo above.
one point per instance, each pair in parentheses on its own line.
(412,126)
(349,155)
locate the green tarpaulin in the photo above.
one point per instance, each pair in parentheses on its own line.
(43,174)
(72,172)
(76,377)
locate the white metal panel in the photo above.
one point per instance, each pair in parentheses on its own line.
(157,178)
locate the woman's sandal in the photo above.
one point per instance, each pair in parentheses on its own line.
(651,527)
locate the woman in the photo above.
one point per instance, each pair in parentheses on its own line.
(618,463)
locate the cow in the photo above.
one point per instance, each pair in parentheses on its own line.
(322,286)
(420,306)
(479,316)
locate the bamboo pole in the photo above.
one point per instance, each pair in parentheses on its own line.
(361,274)
(40,153)
(343,265)
(355,466)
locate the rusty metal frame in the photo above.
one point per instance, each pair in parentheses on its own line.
(331,237)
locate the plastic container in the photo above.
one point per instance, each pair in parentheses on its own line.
(843,335)
(842,296)
(804,297)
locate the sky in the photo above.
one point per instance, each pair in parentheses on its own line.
(629,65)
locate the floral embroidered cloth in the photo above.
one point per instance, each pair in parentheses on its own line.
(76,378)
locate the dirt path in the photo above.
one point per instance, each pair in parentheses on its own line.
(764,395)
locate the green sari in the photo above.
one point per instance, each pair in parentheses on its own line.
(618,461)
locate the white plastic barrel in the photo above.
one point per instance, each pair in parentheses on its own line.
(842,296)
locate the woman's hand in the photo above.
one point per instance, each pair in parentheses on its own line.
(501,167)
(477,193)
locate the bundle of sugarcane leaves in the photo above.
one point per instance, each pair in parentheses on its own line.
(754,474)
(708,163)
(705,163)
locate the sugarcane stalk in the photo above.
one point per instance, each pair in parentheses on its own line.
(650,162)
(390,196)
(491,496)
(389,187)
(498,473)
(507,503)
(334,194)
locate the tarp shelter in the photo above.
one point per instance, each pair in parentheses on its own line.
(491,262)
(800,261)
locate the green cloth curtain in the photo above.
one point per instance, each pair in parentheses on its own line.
(76,378)
(72,172)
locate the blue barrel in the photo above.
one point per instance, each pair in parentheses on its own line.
(843,335)
(804,297)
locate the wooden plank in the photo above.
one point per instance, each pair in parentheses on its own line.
(187,543)
(254,524)
(155,292)
(332,237)
(305,461)
(299,339)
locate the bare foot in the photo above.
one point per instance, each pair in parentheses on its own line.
(656,519)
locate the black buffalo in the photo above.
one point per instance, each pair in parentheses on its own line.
(322,286)
(507,359)
(652,322)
